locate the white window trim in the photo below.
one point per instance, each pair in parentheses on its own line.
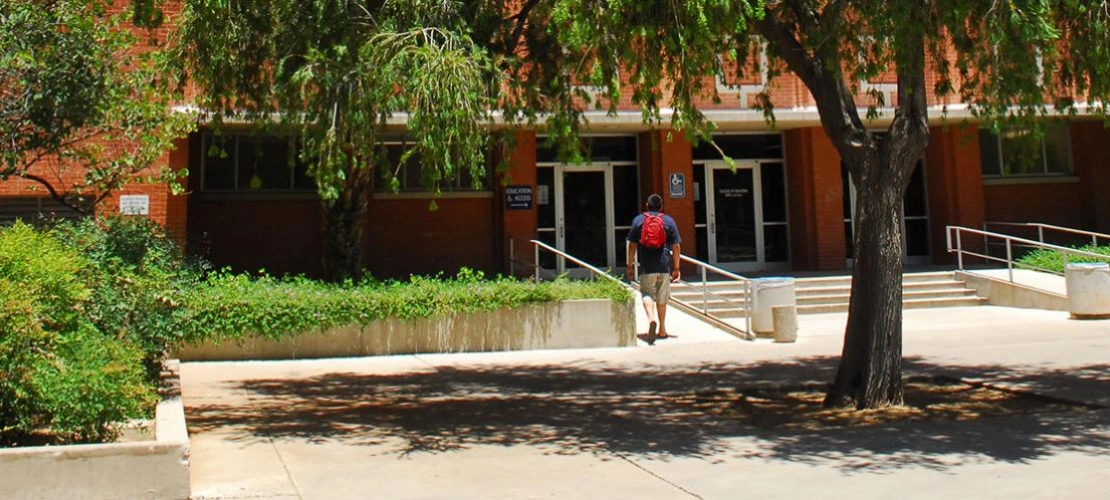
(742,90)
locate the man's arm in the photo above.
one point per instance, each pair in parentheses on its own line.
(676,262)
(630,270)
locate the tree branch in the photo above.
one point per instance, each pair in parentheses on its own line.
(59,197)
(521,19)
(834,99)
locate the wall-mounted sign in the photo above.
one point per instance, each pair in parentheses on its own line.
(733,192)
(544,194)
(518,197)
(134,204)
(677,185)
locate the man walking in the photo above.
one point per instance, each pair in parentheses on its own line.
(654,242)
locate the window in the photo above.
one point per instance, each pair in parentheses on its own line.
(1015,153)
(410,175)
(248,162)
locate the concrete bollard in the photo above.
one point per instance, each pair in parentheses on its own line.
(785,319)
(1088,287)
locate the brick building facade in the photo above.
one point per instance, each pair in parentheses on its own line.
(787,207)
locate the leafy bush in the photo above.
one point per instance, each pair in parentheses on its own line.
(235,306)
(57,371)
(138,278)
(1052,261)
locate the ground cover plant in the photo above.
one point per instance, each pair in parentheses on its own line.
(232,307)
(1053,261)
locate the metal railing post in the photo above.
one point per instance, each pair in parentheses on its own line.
(1040,234)
(537,261)
(704,292)
(960,250)
(1010,259)
(748,307)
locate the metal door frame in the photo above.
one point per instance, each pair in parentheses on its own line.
(560,214)
(711,215)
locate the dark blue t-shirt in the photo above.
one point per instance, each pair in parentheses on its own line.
(654,260)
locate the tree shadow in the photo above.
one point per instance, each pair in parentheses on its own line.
(602,409)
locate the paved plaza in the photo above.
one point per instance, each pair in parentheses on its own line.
(603,423)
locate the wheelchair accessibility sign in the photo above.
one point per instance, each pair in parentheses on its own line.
(677,185)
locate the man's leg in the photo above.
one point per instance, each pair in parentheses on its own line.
(649,289)
(661,313)
(661,299)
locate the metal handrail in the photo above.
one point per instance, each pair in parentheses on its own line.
(1041,227)
(1009,240)
(556,251)
(745,283)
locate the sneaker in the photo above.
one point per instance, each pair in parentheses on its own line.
(651,333)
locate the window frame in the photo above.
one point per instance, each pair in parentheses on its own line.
(1044,171)
(235,151)
(419,191)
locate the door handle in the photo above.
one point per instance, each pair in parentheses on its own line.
(562,231)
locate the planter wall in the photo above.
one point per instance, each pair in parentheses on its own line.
(156,469)
(561,325)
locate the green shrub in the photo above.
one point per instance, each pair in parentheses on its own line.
(58,372)
(138,278)
(232,306)
(1052,261)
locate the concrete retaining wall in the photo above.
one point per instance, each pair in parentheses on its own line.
(1004,293)
(157,469)
(562,325)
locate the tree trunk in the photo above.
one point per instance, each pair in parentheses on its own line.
(343,223)
(870,371)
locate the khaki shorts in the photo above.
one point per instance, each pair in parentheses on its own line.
(656,287)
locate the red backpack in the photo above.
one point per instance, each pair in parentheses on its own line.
(653,234)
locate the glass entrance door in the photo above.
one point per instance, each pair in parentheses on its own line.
(732,222)
(740,216)
(585,223)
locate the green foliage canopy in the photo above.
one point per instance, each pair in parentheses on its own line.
(335,71)
(76,87)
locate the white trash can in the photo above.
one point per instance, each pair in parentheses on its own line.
(766,294)
(1088,290)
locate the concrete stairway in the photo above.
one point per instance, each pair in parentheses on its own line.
(830,294)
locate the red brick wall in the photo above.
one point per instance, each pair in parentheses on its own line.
(815,201)
(404,237)
(955,186)
(281,235)
(1092,164)
(664,152)
(1070,202)
(519,226)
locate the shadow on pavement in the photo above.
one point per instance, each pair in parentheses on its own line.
(594,408)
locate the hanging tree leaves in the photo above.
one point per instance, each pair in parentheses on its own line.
(84,108)
(334,73)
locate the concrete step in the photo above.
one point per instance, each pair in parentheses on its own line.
(906,304)
(907,280)
(906,295)
(912,286)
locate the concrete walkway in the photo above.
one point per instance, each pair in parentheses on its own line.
(602,423)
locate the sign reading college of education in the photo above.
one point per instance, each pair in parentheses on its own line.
(134,204)
(678,185)
(518,197)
